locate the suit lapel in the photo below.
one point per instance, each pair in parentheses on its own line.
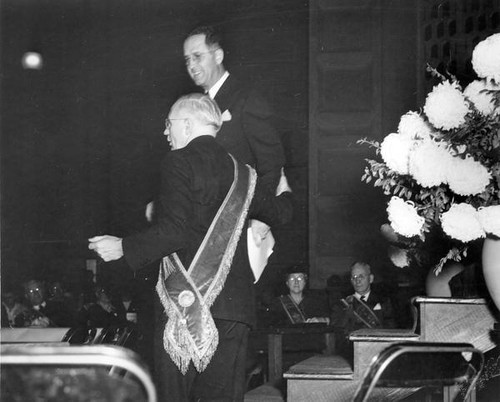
(372,300)
(227,94)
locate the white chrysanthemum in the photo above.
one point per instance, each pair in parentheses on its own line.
(398,256)
(461,222)
(414,126)
(490,219)
(395,150)
(446,106)
(483,101)
(404,217)
(429,164)
(486,58)
(467,176)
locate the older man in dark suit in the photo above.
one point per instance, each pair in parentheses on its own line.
(378,304)
(205,285)
(365,308)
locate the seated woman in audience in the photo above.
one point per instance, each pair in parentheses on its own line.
(299,306)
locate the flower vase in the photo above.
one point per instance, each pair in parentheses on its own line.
(491,268)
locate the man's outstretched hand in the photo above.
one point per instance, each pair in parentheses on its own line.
(109,248)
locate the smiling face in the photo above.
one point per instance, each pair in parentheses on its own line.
(361,278)
(203,62)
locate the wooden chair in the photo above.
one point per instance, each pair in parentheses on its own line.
(453,367)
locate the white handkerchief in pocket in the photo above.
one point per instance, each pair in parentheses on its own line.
(226,115)
(377,307)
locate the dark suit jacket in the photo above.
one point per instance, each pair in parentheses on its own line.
(386,312)
(195,181)
(249,136)
(343,318)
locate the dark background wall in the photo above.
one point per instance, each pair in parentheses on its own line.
(82,137)
(362,78)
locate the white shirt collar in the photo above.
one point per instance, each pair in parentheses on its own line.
(215,88)
(358,296)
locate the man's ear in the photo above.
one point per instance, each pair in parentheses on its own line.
(219,55)
(371,278)
(188,127)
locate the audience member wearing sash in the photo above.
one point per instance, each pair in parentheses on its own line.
(206,300)
(365,308)
(299,306)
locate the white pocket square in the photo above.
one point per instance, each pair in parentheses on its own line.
(226,116)
(377,307)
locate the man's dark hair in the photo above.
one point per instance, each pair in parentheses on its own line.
(213,37)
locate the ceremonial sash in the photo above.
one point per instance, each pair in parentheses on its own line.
(187,295)
(293,311)
(362,312)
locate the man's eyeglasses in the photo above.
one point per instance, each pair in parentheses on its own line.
(296,278)
(356,277)
(197,57)
(36,290)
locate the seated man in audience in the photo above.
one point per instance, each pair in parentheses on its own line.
(299,306)
(365,308)
(42,311)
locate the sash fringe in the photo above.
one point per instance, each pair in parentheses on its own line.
(178,342)
(168,269)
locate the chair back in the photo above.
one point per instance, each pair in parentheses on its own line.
(418,365)
(74,373)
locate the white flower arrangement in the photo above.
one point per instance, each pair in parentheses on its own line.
(404,217)
(414,126)
(429,164)
(477,93)
(442,167)
(486,58)
(489,217)
(446,107)
(467,176)
(395,150)
(461,222)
